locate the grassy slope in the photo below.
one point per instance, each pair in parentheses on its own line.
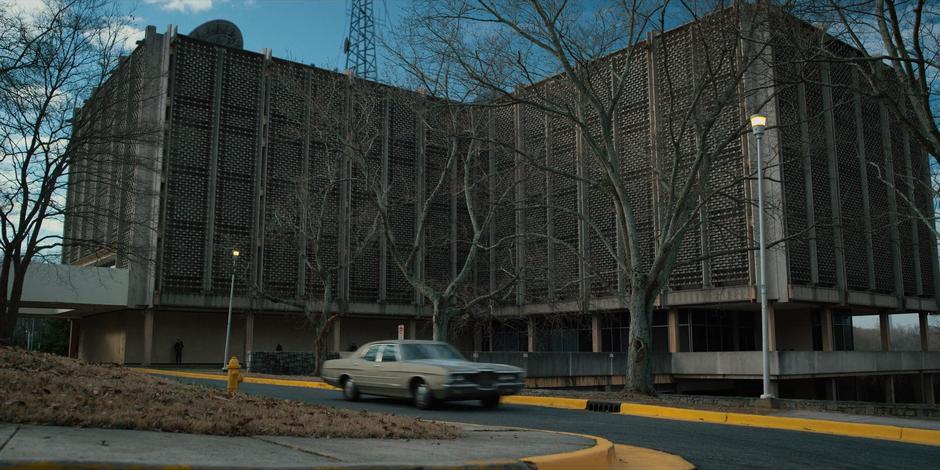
(41,388)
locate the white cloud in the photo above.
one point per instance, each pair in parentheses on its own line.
(192,6)
(29,7)
(129,35)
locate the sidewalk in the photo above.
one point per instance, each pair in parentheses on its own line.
(850,418)
(27,445)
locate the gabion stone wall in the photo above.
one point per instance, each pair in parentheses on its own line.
(282,363)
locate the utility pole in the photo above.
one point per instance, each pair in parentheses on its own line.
(359,46)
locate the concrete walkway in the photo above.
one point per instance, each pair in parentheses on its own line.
(493,447)
(852,418)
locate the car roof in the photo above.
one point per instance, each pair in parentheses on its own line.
(403,341)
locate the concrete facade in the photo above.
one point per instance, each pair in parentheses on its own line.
(237,126)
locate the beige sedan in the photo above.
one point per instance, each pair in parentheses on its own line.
(425,371)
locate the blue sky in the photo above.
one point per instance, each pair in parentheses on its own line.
(308,31)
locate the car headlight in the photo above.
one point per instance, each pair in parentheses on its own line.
(457,377)
(508,377)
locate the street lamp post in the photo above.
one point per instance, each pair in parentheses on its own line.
(758,123)
(231,295)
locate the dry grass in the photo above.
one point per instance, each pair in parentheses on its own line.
(39,388)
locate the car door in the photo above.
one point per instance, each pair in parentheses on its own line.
(391,371)
(366,376)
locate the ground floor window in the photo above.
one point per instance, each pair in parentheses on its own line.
(510,335)
(842,335)
(615,331)
(702,330)
(563,333)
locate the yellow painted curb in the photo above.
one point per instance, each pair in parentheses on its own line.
(839,428)
(921,436)
(600,456)
(683,414)
(248,379)
(641,458)
(550,402)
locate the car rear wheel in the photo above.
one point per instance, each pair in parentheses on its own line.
(490,402)
(350,391)
(423,397)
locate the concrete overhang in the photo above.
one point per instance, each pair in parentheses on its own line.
(72,291)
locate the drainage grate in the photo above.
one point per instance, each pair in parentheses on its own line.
(603,406)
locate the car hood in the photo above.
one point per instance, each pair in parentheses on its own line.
(455,365)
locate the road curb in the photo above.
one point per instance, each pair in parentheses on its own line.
(601,456)
(839,428)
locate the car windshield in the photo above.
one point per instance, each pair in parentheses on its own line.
(414,352)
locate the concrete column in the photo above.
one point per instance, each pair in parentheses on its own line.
(672,319)
(412,329)
(929,397)
(924,327)
(885,327)
(596,332)
(863,180)
(477,336)
(808,183)
(213,172)
(826,320)
(892,205)
(249,336)
(74,335)
(919,389)
(889,389)
(148,336)
(336,342)
(834,191)
(831,389)
(771,330)
(531,334)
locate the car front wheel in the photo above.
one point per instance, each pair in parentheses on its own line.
(350,391)
(423,397)
(490,402)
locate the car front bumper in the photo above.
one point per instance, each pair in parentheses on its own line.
(472,391)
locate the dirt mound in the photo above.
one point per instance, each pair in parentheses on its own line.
(40,388)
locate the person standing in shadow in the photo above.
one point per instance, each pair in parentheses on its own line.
(178,349)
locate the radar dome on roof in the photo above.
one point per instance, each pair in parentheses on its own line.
(221,32)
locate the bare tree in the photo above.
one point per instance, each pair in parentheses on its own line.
(575,64)
(52,60)
(897,56)
(439,254)
(311,213)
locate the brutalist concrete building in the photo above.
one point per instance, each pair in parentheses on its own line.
(236,127)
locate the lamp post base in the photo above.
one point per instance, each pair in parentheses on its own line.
(766,401)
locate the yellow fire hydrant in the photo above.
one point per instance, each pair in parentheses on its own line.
(234,375)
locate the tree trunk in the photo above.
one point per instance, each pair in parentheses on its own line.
(439,324)
(10,303)
(639,370)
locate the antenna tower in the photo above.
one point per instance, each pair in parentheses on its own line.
(360,45)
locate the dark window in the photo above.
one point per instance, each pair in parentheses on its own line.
(511,335)
(563,334)
(842,339)
(703,330)
(747,331)
(615,331)
(660,331)
(817,331)
(390,353)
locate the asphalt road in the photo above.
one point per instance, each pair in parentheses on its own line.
(708,446)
